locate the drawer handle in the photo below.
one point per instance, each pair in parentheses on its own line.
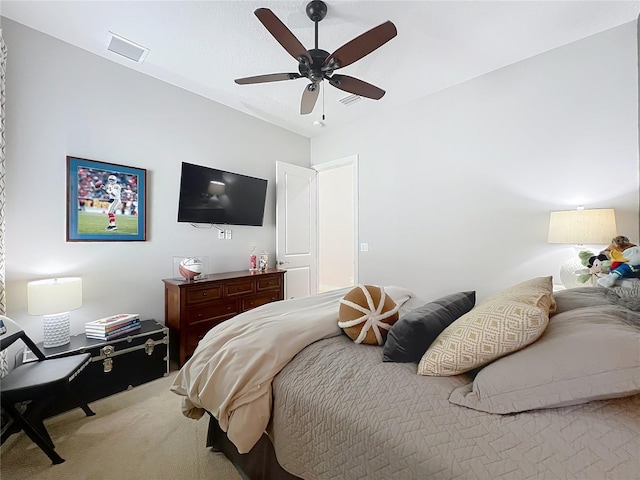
(204,294)
(228,307)
(200,315)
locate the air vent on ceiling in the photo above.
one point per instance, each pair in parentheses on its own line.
(126,48)
(349,99)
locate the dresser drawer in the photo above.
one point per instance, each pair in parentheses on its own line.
(256,300)
(268,283)
(221,310)
(195,296)
(195,333)
(239,288)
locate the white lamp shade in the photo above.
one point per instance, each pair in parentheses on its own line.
(52,296)
(579,227)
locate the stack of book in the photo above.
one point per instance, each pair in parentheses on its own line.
(113,326)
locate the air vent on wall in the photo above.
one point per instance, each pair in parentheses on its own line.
(349,99)
(126,48)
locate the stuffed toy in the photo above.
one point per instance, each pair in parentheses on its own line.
(597,266)
(620,244)
(629,266)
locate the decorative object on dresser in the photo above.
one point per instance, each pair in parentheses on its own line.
(193,267)
(116,365)
(264,261)
(580,227)
(193,308)
(54,299)
(253,259)
(112,327)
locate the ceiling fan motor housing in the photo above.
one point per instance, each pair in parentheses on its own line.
(314,70)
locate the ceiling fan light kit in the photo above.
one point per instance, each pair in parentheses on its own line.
(317,65)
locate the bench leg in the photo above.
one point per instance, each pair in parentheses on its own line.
(45,444)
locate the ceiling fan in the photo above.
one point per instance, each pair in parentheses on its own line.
(318,65)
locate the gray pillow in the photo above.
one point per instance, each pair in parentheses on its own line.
(572,298)
(593,296)
(415,331)
(584,354)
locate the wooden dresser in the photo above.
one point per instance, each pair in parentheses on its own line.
(192,308)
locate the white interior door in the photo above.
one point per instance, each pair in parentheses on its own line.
(296,228)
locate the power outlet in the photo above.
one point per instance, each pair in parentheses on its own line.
(227,234)
(220,234)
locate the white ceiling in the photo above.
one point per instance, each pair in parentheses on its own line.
(202,46)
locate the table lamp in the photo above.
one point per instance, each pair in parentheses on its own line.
(54,299)
(580,227)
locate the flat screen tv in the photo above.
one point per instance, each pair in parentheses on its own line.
(209,195)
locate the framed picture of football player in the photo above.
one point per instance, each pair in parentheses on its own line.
(105,201)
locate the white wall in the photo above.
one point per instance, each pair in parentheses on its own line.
(64,101)
(335,222)
(471,173)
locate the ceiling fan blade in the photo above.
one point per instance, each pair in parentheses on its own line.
(271,77)
(361,46)
(356,86)
(282,34)
(309,97)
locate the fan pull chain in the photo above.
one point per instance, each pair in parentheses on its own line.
(322,102)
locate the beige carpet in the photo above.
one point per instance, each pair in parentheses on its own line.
(139,434)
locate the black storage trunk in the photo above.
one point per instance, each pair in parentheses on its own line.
(116,365)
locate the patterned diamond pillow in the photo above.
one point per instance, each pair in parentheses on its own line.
(502,324)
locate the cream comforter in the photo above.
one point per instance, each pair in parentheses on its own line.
(231,370)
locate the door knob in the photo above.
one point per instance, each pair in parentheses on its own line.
(280,262)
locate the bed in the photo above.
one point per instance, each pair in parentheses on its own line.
(295,401)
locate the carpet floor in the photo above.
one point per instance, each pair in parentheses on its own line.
(138,434)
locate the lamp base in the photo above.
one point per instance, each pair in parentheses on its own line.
(57,330)
(568,274)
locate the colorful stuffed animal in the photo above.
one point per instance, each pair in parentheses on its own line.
(620,244)
(597,266)
(629,266)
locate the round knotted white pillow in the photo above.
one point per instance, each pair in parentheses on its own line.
(367,313)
